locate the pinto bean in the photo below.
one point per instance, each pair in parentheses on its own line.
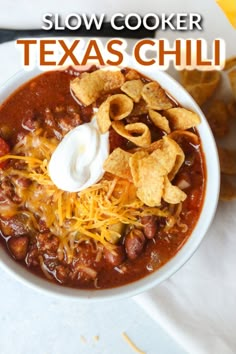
(134,243)
(18,247)
(115,257)
(150,225)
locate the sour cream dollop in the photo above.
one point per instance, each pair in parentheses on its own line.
(77,162)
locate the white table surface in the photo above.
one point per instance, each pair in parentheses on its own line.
(32,323)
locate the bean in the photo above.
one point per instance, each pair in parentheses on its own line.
(18,246)
(23,182)
(134,243)
(115,257)
(150,225)
(5,132)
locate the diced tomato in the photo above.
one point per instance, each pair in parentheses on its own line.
(4,149)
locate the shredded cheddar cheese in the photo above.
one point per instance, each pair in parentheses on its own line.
(131,344)
(84,215)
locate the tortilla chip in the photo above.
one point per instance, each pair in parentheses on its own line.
(181,118)
(232,79)
(230,63)
(112,79)
(132,75)
(227,189)
(218,118)
(141,130)
(120,106)
(149,171)
(159,121)
(155,96)
(200,84)
(227,161)
(134,164)
(151,192)
(133,89)
(172,149)
(168,157)
(173,194)
(180,135)
(88,87)
(168,152)
(116,107)
(153,146)
(140,108)
(103,117)
(146,178)
(117,163)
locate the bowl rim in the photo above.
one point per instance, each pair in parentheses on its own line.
(208,210)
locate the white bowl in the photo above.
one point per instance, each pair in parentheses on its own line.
(205,219)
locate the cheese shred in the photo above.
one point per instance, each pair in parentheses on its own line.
(72,217)
(131,344)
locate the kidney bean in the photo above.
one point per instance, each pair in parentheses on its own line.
(18,247)
(116,257)
(150,225)
(23,182)
(5,132)
(134,243)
